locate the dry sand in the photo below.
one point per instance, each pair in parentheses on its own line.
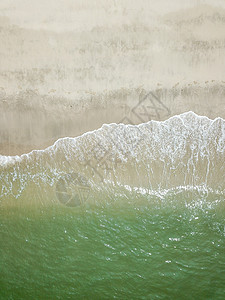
(67,67)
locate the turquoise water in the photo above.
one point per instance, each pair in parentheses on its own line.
(142,248)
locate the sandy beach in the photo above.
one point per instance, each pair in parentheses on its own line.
(68,67)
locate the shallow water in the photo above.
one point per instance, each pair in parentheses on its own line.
(142,248)
(124,212)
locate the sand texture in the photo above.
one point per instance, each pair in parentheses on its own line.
(67,67)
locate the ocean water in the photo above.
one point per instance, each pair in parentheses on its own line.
(123,212)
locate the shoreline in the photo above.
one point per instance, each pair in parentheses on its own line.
(43,120)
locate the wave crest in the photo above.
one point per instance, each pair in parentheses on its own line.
(185,150)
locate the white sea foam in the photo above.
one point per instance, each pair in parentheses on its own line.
(185,150)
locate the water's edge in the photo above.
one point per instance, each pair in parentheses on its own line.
(185,150)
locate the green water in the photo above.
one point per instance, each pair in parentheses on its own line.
(142,248)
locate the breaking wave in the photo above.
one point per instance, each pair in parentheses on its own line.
(185,152)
